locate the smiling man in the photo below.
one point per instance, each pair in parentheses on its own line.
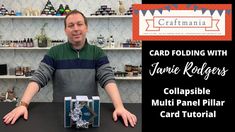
(75,68)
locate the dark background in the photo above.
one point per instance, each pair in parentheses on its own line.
(221,87)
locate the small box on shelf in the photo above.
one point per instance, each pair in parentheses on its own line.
(130,71)
(23,71)
(104,10)
(131,44)
(3,69)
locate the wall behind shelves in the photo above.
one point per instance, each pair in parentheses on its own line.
(121,29)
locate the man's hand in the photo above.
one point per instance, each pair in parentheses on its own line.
(126,116)
(112,90)
(12,116)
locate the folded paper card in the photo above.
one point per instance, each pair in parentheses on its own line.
(82,112)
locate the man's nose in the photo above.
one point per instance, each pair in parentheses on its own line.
(76,27)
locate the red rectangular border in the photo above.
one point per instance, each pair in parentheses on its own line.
(228,22)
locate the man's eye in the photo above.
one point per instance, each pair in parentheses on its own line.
(70,26)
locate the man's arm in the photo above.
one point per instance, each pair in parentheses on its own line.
(30,91)
(12,116)
(105,76)
(39,79)
(113,92)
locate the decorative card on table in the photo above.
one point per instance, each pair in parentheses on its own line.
(82,112)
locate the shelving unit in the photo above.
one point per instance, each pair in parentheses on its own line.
(47,48)
(24,77)
(19,27)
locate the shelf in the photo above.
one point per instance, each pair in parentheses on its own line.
(129,78)
(46,48)
(62,17)
(23,77)
(121,48)
(13,77)
(116,16)
(24,48)
(33,17)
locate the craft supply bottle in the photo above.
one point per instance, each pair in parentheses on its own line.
(67,10)
(61,9)
(24,43)
(111,41)
(31,42)
(28,43)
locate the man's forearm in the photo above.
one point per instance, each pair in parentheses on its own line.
(113,92)
(128,117)
(30,91)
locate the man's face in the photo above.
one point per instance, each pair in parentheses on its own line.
(76,29)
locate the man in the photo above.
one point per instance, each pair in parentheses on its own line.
(74,67)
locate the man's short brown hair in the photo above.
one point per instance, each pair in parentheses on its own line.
(75,12)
